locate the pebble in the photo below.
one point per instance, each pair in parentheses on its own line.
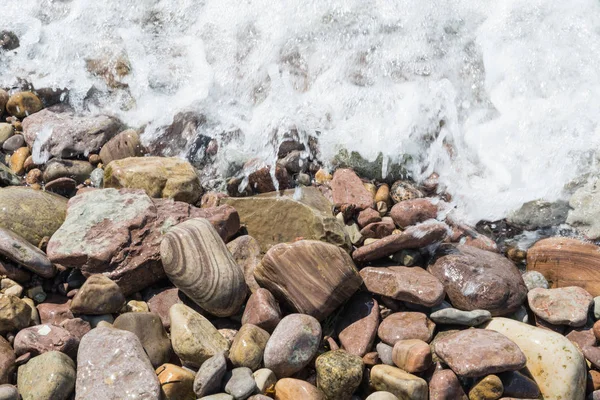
(378,230)
(381,395)
(385,352)
(411,212)
(592,354)
(292,345)
(412,355)
(597,307)
(197,261)
(111,364)
(406,325)
(55,309)
(98,295)
(218,396)
(294,389)
(338,374)
(209,376)
(8,392)
(265,380)
(17,249)
(444,385)
(40,339)
(400,383)
(248,347)
(65,187)
(246,252)
(411,284)
(7,361)
(17,159)
(15,314)
(161,301)
(239,383)
(6,131)
(23,104)
(488,388)
(76,326)
(74,169)
(123,145)
(518,385)
(193,337)
(367,216)
(97,177)
(535,279)
(582,337)
(453,316)
(561,306)
(149,330)
(49,376)
(348,189)
(357,327)
(176,383)
(262,310)
(136,306)
(402,191)
(477,352)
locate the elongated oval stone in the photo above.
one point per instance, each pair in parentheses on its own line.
(197,261)
(17,249)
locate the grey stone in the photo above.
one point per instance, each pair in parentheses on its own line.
(209,376)
(97,177)
(597,307)
(74,169)
(539,214)
(385,353)
(13,143)
(239,383)
(458,317)
(535,279)
(8,392)
(218,396)
(49,376)
(17,249)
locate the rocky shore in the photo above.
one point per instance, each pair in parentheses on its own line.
(121,276)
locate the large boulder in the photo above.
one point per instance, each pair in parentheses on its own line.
(272,218)
(126,246)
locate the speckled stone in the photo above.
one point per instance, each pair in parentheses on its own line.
(248,347)
(338,374)
(176,383)
(400,383)
(406,325)
(453,316)
(209,376)
(50,376)
(561,306)
(488,388)
(294,389)
(43,338)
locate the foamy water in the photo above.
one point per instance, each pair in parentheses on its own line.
(501,98)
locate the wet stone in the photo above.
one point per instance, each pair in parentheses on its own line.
(248,347)
(357,327)
(176,383)
(412,355)
(452,316)
(406,325)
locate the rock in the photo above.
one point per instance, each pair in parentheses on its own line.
(479,352)
(292,389)
(160,177)
(262,310)
(452,316)
(239,383)
(265,380)
(411,284)
(50,376)
(104,320)
(385,352)
(97,178)
(248,347)
(4,96)
(477,279)
(197,261)
(6,130)
(9,392)
(412,355)
(592,354)
(7,361)
(218,396)
(554,362)
(338,374)
(20,203)
(74,169)
(17,160)
(538,214)
(444,385)
(582,337)
(357,327)
(149,330)
(403,191)
(176,383)
(378,230)
(76,326)
(401,384)
(584,213)
(126,144)
(381,395)
(135,306)
(125,248)
(411,212)
(15,314)
(406,325)
(209,376)
(562,306)
(13,143)
(261,180)
(70,135)
(518,385)
(112,363)
(367,216)
(347,188)
(23,104)
(292,345)
(98,295)
(193,337)
(414,237)
(488,388)
(567,262)
(160,302)
(534,279)
(14,272)
(245,250)
(17,249)
(40,339)
(65,187)
(7,177)
(266,217)
(323,277)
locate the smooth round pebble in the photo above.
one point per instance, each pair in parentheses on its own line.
(381,395)
(209,376)
(535,279)
(239,383)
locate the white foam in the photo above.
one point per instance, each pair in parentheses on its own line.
(516,83)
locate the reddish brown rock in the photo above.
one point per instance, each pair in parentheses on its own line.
(357,327)
(412,238)
(161,301)
(411,284)
(596,330)
(7,361)
(245,250)
(412,355)
(411,212)
(582,337)
(261,180)
(478,352)
(262,310)
(76,326)
(125,248)
(14,272)
(43,338)
(294,389)
(312,277)
(477,279)
(406,325)
(367,216)
(348,189)
(55,309)
(561,306)
(444,385)
(378,230)
(481,242)
(592,354)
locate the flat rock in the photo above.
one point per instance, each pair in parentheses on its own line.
(357,327)
(262,310)
(518,385)
(406,325)
(176,383)
(43,338)
(561,306)
(311,277)
(378,230)
(478,279)
(292,345)
(414,237)
(149,330)
(21,203)
(479,352)
(239,383)
(197,261)
(338,374)
(70,135)
(126,247)
(98,295)
(412,284)
(267,217)
(17,249)
(412,355)
(453,316)
(567,262)
(246,252)
(7,361)
(15,314)
(74,169)
(193,337)
(554,362)
(367,216)
(347,188)
(400,383)
(209,376)
(248,347)
(411,212)
(111,363)
(535,279)
(444,385)
(292,389)
(49,376)
(55,309)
